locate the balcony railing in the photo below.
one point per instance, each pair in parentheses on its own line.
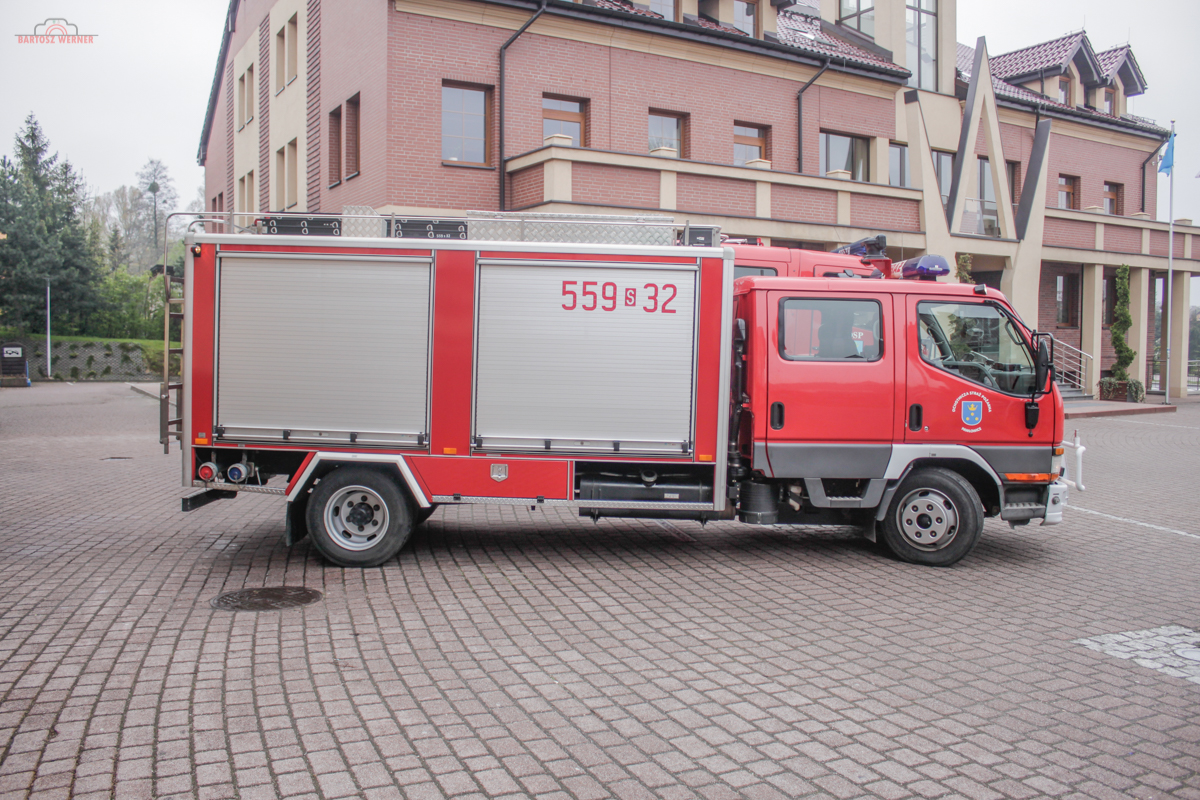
(981,217)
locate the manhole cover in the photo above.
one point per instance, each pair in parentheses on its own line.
(273,598)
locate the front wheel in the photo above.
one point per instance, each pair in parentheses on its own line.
(359,517)
(935,518)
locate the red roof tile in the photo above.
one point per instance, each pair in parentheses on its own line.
(804,32)
(1053,53)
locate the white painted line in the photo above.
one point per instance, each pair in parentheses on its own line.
(1156,424)
(1134,522)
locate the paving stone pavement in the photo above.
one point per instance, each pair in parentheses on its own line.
(510,653)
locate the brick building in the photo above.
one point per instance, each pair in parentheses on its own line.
(808,124)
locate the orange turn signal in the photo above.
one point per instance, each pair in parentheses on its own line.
(1058,451)
(1030,477)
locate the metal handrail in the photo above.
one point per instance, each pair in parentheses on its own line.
(1072,366)
(1155,384)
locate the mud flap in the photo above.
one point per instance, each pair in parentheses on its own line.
(295,527)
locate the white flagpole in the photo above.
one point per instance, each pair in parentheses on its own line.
(1166,330)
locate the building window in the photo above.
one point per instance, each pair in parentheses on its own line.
(293,176)
(1064,91)
(989,215)
(1113,197)
(350,135)
(745,17)
(845,152)
(898,164)
(562,115)
(749,143)
(335,146)
(249,110)
(245,194)
(921,35)
(1066,300)
(280,59)
(664,7)
(293,48)
(1109,299)
(943,167)
(1068,191)
(241,103)
(281,179)
(1013,168)
(858,14)
(1108,102)
(666,130)
(464,124)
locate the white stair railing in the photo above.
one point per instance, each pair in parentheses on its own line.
(1072,366)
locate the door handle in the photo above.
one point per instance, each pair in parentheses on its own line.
(914,417)
(776,416)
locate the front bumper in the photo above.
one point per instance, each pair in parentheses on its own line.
(1056,501)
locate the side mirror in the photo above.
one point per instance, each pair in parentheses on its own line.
(1044,359)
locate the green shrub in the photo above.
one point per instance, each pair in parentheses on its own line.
(1122,321)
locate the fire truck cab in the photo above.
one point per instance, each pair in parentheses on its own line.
(370,370)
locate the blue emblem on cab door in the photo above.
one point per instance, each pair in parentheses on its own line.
(972,412)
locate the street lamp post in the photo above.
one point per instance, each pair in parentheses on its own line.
(49,376)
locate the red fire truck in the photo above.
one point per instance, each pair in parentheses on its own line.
(397,365)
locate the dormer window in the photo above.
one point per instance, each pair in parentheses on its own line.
(858,14)
(1064,91)
(1108,102)
(745,16)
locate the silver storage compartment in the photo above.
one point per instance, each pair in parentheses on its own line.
(323,350)
(550,377)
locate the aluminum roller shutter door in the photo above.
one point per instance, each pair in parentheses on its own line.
(323,348)
(585,379)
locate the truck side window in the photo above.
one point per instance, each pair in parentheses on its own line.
(741,272)
(977,342)
(829,330)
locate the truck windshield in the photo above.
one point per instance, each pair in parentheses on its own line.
(977,342)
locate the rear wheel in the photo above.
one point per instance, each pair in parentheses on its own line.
(935,518)
(359,517)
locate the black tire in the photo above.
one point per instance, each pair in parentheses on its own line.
(935,518)
(359,517)
(422,514)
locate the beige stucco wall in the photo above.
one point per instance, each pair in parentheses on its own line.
(289,105)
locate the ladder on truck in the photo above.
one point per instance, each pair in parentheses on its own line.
(171,427)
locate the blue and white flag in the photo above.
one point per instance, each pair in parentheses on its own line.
(1168,159)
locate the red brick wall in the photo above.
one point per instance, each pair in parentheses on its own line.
(704,194)
(353,53)
(889,213)
(1158,244)
(608,185)
(802,204)
(1069,233)
(527,187)
(1048,301)
(1122,239)
(1095,163)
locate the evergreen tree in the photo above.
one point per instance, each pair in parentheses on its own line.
(41,199)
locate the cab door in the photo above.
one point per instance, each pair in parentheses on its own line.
(970,373)
(831,384)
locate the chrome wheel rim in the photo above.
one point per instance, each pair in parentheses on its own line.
(927,519)
(356,518)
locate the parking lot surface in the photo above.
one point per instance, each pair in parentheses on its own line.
(517,653)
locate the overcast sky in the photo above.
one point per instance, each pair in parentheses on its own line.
(141,89)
